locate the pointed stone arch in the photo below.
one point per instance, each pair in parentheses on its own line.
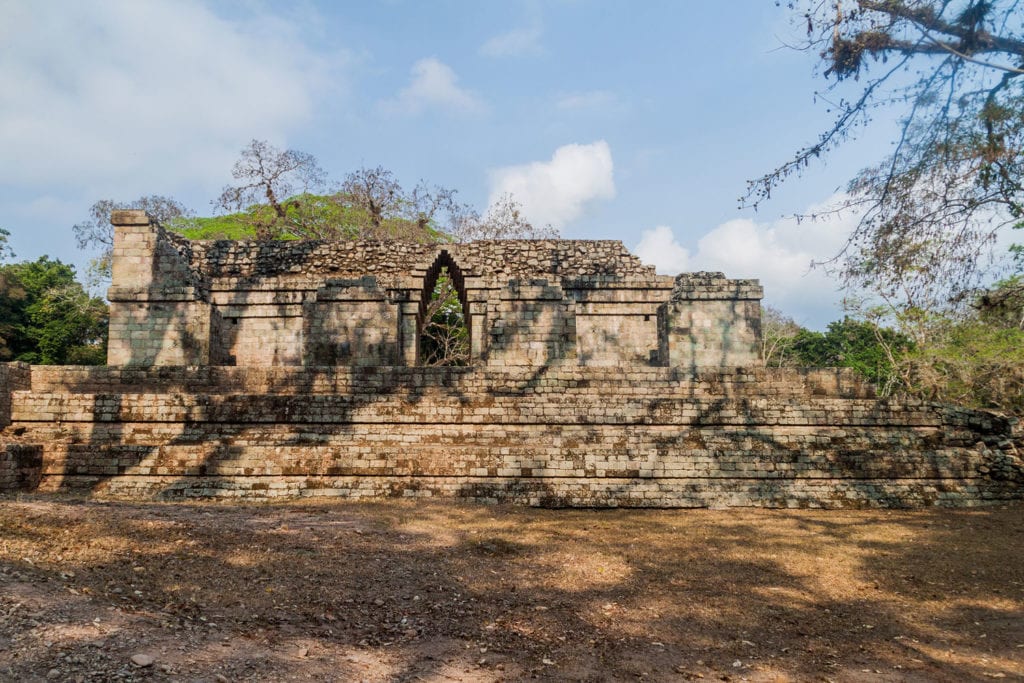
(443,265)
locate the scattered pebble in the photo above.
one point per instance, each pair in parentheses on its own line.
(142,660)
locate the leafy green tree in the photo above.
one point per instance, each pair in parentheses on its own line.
(871,350)
(48,316)
(278,180)
(389,211)
(5,248)
(13,317)
(307,216)
(932,210)
(280,195)
(977,359)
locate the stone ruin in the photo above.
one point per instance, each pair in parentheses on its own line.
(269,369)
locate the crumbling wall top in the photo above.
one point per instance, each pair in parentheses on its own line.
(496,260)
(713,285)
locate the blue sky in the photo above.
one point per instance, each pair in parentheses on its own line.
(635,121)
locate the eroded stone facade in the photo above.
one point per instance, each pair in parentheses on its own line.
(247,369)
(536,303)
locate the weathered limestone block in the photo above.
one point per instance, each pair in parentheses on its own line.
(161,332)
(20,467)
(534,323)
(351,322)
(711,321)
(13,377)
(617,320)
(145,259)
(159,313)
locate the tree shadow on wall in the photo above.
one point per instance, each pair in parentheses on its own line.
(321,422)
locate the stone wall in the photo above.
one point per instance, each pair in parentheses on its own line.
(560,435)
(711,321)
(13,377)
(178,302)
(159,310)
(233,263)
(21,467)
(351,322)
(263,369)
(533,323)
(20,464)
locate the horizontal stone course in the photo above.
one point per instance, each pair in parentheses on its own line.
(564,492)
(13,377)
(441,409)
(514,380)
(603,436)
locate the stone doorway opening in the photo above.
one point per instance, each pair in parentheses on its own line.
(444,315)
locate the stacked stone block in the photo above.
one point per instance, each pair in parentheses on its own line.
(533,324)
(159,311)
(565,435)
(21,467)
(265,369)
(351,322)
(13,377)
(711,321)
(177,302)
(617,319)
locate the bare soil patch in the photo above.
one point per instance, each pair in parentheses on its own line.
(439,591)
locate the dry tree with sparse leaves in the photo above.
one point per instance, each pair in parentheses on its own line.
(932,210)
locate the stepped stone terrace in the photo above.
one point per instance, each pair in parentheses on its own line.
(269,369)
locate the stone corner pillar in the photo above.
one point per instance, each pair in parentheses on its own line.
(135,238)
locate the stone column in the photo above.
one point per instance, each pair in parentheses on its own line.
(477,325)
(158,315)
(409,331)
(134,250)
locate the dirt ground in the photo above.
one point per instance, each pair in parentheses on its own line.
(435,591)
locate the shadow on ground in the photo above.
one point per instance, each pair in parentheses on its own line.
(405,591)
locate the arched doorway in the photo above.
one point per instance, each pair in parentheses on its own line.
(444,315)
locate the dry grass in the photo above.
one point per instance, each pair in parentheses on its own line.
(403,591)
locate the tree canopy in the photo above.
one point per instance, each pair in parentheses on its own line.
(47,317)
(932,210)
(5,247)
(284,194)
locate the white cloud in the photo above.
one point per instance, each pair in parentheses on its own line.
(434,85)
(591,99)
(778,253)
(659,248)
(519,42)
(556,192)
(161,93)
